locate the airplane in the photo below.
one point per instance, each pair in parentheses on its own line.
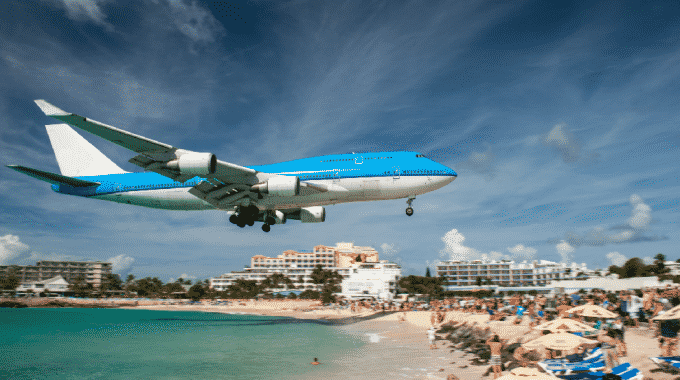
(179,179)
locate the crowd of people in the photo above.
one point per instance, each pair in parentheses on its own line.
(631,307)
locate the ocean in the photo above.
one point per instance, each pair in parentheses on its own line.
(71,343)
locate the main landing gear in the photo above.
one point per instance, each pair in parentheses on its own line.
(247,216)
(409,209)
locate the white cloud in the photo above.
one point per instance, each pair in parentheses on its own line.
(480,162)
(565,250)
(520,251)
(195,22)
(641,215)
(11,248)
(186,276)
(389,249)
(85,9)
(121,264)
(616,258)
(495,255)
(454,248)
(561,139)
(648,260)
(632,231)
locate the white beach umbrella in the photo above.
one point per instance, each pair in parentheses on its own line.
(564,325)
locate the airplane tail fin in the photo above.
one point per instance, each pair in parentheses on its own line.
(76,156)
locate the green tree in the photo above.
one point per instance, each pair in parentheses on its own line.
(358,259)
(634,267)
(478,281)
(148,286)
(242,289)
(196,292)
(111,281)
(427,272)
(430,286)
(10,281)
(659,267)
(80,287)
(277,281)
(327,281)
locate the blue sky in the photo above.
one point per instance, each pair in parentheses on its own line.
(559,119)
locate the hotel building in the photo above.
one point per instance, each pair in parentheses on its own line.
(92,271)
(507,273)
(298,266)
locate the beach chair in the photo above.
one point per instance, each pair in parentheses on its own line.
(583,376)
(669,363)
(569,368)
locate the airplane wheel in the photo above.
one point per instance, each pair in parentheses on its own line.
(233,219)
(250,222)
(266,228)
(241,224)
(271,220)
(409,211)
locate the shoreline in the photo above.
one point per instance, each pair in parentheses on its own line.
(395,343)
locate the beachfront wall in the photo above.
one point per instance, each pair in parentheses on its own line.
(608,284)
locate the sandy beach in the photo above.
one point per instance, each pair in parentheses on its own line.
(397,349)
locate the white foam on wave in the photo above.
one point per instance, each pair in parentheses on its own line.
(374,337)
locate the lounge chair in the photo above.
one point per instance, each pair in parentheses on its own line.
(671,363)
(624,370)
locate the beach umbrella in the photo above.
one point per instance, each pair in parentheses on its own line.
(522,373)
(592,311)
(671,314)
(560,341)
(564,325)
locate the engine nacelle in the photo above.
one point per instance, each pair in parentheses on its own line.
(281,186)
(198,164)
(316,214)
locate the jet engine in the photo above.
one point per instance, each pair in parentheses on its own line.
(199,164)
(316,214)
(281,186)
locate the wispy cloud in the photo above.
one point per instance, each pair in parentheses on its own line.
(121,264)
(194,21)
(565,251)
(616,258)
(85,10)
(634,231)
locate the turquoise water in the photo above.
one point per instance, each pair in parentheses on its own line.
(147,344)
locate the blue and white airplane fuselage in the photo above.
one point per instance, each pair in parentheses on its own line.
(178,179)
(349,178)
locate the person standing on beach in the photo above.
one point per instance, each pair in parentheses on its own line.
(495,346)
(431,338)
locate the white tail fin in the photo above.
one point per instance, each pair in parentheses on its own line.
(76,156)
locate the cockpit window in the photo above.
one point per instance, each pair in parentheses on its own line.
(420,155)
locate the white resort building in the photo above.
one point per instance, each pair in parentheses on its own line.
(91,271)
(298,266)
(507,273)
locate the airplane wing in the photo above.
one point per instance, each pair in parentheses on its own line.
(225,183)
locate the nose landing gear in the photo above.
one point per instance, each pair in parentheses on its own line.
(409,209)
